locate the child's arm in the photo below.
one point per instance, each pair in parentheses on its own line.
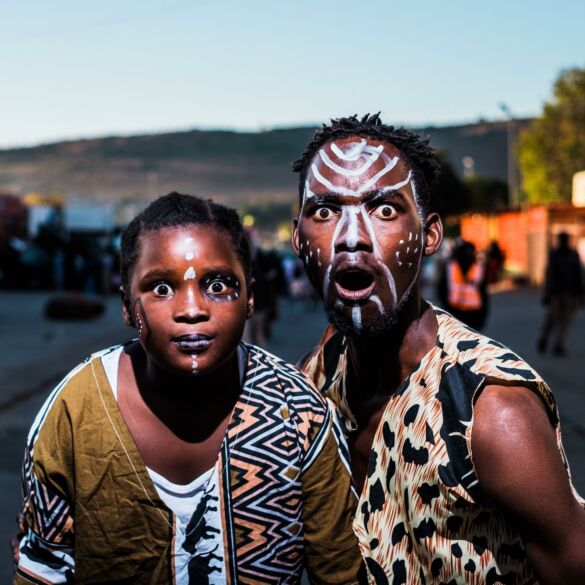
(331,548)
(46,548)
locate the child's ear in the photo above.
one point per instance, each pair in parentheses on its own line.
(250,301)
(126,315)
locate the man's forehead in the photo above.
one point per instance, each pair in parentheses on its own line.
(355,165)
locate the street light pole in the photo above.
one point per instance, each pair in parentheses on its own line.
(513,190)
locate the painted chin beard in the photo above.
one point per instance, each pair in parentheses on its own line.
(377,326)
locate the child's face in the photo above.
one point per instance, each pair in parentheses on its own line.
(188,298)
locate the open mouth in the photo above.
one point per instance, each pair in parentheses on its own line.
(354,284)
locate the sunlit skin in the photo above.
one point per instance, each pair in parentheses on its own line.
(527,482)
(189,301)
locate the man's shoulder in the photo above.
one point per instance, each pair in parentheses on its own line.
(479,353)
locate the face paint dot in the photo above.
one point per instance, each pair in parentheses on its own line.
(189,256)
(416,238)
(407,249)
(189,273)
(409,236)
(415,250)
(401,241)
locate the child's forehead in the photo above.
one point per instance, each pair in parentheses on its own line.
(203,240)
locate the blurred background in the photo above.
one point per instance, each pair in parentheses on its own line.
(105,106)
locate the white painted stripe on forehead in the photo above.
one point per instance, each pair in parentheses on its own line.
(348,172)
(355,150)
(397,185)
(344,191)
(366,186)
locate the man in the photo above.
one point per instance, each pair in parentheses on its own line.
(563,291)
(454,440)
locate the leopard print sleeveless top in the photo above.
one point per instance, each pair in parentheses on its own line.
(421,518)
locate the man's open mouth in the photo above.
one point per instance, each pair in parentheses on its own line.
(354,284)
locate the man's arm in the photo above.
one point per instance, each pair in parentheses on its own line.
(520,469)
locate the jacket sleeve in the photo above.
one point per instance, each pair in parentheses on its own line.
(329,503)
(47,545)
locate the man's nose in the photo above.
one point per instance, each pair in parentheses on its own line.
(190,306)
(353,231)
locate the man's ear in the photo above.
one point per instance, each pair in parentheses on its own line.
(250,301)
(126,313)
(433,233)
(295,236)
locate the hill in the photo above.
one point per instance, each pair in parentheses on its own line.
(235,167)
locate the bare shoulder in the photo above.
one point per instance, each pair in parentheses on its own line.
(513,441)
(521,470)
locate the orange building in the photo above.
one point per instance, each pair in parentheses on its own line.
(526,236)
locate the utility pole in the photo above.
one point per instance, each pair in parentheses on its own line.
(513,188)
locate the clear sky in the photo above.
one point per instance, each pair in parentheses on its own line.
(82,69)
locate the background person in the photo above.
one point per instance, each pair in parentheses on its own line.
(563,293)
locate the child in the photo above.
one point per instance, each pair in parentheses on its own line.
(186,456)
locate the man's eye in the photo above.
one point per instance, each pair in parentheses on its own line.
(385,211)
(162,290)
(217,287)
(323,214)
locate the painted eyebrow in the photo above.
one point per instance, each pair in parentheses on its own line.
(367,197)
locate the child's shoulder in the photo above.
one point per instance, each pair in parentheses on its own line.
(74,393)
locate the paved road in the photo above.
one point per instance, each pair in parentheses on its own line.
(36,353)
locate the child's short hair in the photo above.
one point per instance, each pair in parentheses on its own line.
(178,210)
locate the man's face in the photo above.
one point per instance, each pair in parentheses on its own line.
(360,233)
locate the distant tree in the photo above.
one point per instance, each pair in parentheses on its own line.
(487,194)
(553,149)
(450,195)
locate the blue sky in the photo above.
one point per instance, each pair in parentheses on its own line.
(82,69)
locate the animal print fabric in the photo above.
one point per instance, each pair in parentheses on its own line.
(421,518)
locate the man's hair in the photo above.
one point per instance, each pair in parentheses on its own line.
(177,210)
(416,150)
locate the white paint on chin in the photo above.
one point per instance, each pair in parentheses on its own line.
(194,364)
(189,256)
(376,299)
(356,315)
(189,273)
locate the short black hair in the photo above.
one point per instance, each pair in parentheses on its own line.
(178,210)
(415,148)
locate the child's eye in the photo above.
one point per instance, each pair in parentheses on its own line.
(216,287)
(162,289)
(385,211)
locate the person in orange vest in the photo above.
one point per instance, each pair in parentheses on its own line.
(464,293)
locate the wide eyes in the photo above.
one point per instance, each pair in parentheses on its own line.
(385,211)
(216,287)
(162,289)
(322,214)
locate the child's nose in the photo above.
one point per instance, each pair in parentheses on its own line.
(191,306)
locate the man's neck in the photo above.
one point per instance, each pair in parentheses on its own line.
(379,365)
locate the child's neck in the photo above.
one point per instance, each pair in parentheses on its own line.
(184,403)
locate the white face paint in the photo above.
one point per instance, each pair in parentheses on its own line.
(350,161)
(356,315)
(190,273)
(194,364)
